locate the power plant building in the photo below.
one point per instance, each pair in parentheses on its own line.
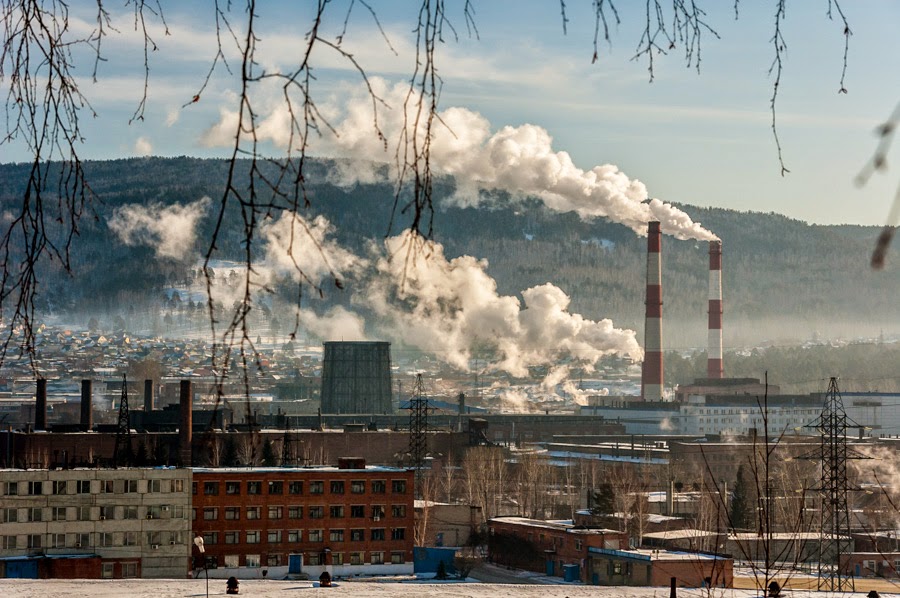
(356,377)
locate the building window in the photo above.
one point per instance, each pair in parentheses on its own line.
(357,511)
(105,539)
(337,558)
(194,488)
(579,544)
(10,515)
(59,513)
(377,512)
(83,486)
(398,533)
(154,486)
(336,535)
(210,538)
(232,537)
(57,540)
(295,512)
(211,488)
(336,512)
(276,487)
(337,487)
(398,486)
(317,487)
(314,558)
(316,512)
(295,535)
(398,510)
(253,537)
(315,535)
(358,487)
(357,535)
(107,486)
(35,541)
(274,536)
(378,534)
(11,488)
(129,539)
(106,512)
(232,513)
(254,487)
(273,560)
(130,512)
(176,538)
(356,558)
(177,511)
(252,560)
(254,513)
(397,558)
(35,488)
(210,513)
(131,486)
(295,487)
(276,512)
(232,560)
(9,542)
(376,558)
(154,512)
(129,570)
(379,486)
(107,571)
(60,486)
(178,486)
(154,538)
(232,487)
(35,514)
(83,513)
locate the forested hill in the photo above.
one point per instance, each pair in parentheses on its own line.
(784,280)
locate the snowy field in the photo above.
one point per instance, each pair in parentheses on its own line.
(156,588)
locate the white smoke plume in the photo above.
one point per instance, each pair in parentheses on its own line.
(450,306)
(170,230)
(518,160)
(336,324)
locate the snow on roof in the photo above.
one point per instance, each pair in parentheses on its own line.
(648,554)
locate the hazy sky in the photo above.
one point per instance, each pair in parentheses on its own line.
(702,139)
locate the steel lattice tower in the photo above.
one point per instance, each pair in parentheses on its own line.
(418,426)
(287,455)
(122,452)
(835,533)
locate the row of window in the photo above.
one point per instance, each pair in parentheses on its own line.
(86,513)
(296,512)
(313,558)
(84,540)
(277,487)
(60,487)
(277,536)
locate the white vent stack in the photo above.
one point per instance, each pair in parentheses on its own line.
(652,370)
(714,365)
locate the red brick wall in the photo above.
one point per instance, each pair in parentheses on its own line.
(691,573)
(388,522)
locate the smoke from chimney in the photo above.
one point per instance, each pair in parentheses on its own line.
(652,370)
(714,364)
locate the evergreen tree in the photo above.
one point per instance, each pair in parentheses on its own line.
(740,506)
(142,456)
(268,454)
(230,453)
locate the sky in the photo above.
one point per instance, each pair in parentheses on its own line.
(696,138)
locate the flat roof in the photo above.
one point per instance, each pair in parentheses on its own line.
(647,554)
(564,525)
(322,469)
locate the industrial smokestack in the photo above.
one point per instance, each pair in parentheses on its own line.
(40,405)
(652,371)
(185,431)
(148,396)
(714,365)
(87,414)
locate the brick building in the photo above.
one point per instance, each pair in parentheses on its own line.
(648,567)
(547,546)
(91,523)
(349,520)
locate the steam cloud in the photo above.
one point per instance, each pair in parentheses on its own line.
(518,160)
(170,230)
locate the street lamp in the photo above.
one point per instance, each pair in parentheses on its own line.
(198,542)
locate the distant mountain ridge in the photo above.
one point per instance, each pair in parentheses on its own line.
(784,280)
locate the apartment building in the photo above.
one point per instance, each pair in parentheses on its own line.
(348,520)
(111,523)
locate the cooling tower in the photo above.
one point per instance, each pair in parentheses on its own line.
(356,377)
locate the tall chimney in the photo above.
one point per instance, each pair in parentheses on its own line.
(40,405)
(87,415)
(148,396)
(185,432)
(652,371)
(714,366)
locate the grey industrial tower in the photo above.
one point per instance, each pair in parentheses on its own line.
(356,377)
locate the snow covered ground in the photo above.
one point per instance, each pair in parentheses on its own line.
(196,588)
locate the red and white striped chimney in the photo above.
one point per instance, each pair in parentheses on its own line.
(714,366)
(652,371)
